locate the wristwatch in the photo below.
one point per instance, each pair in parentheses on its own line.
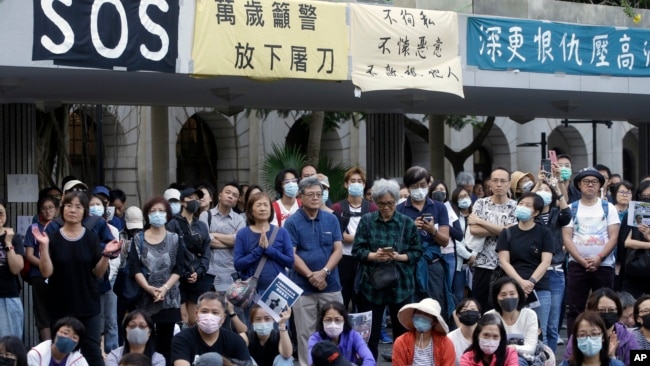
(327,271)
(232,315)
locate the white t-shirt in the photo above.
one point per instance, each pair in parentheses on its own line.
(284,214)
(352,229)
(524,329)
(591,234)
(460,343)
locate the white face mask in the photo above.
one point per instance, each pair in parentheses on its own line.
(419,194)
(332,329)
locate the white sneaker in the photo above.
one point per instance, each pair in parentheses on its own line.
(560,341)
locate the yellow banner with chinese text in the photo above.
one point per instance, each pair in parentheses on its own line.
(271,39)
(400,48)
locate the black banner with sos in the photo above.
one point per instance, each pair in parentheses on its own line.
(135,34)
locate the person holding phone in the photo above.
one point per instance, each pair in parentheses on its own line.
(432,221)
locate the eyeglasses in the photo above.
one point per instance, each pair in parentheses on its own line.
(590,182)
(593,336)
(385,204)
(644,311)
(313,195)
(624,193)
(500,181)
(47,208)
(644,197)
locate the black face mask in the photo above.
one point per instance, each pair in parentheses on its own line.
(609,319)
(469,317)
(645,321)
(439,196)
(192,206)
(4,361)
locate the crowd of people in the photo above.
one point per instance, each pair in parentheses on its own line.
(480,275)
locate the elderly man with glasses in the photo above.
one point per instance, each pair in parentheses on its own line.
(590,239)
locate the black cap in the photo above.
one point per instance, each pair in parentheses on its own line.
(190,191)
(588,172)
(326,353)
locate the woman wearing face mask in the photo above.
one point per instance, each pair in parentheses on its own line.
(139,328)
(489,345)
(286,184)
(461,204)
(525,253)
(326,192)
(195,241)
(64,349)
(554,216)
(426,342)
(157,268)
(592,343)
(12,352)
(520,323)
(468,313)
(642,318)
(606,303)
(636,238)
(333,324)
(269,346)
(521,183)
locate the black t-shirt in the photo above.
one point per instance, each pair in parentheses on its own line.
(73,286)
(188,343)
(526,249)
(264,354)
(9,285)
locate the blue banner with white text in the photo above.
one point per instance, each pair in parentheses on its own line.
(551,47)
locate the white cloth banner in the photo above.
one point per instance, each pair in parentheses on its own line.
(403,48)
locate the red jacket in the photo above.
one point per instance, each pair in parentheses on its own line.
(443,350)
(511,359)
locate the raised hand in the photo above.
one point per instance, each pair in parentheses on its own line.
(42,238)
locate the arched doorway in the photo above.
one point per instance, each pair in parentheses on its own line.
(567,140)
(196,152)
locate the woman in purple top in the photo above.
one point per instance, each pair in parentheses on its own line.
(334,325)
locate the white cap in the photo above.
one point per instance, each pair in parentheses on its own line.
(133,218)
(172,194)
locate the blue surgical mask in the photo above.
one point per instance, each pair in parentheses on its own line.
(291,189)
(355,189)
(523,213)
(565,173)
(418,194)
(97,210)
(64,344)
(263,329)
(590,346)
(546,196)
(158,219)
(421,323)
(465,203)
(326,195)
(176,207)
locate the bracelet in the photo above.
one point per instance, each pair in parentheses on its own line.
(602,257)
(533,280)
(166,287)
(232,315)
(282,329)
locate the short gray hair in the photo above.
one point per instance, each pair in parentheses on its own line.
(383,187)
(464,179)
(309,182)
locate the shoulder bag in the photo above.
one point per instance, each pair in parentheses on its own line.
(241,293)
(125,285)
(385,276)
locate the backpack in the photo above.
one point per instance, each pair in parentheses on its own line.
(344,217)
(574,211)
(278,213)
